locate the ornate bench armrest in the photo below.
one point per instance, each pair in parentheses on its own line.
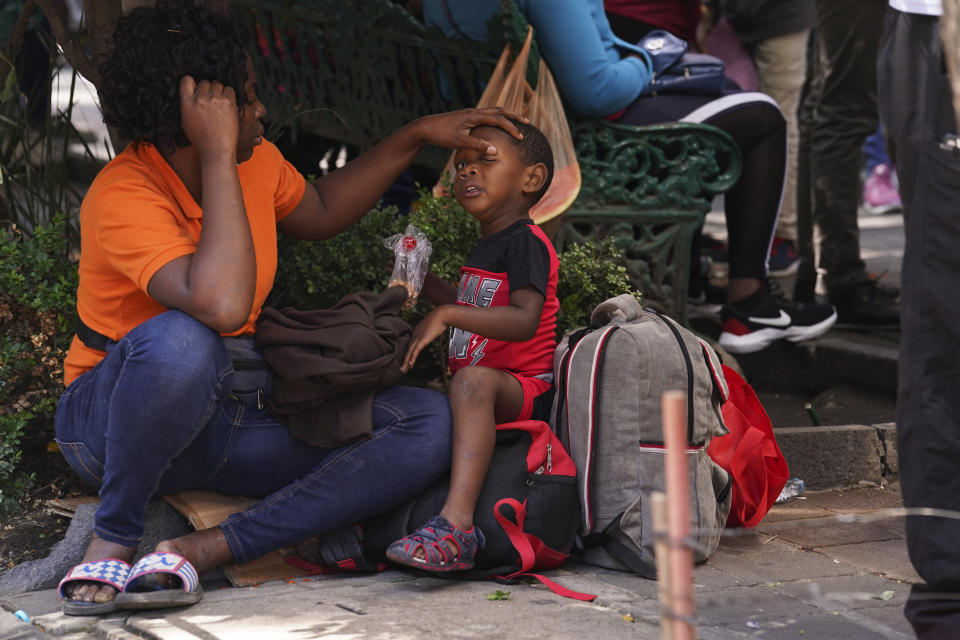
(665,167)
(649,188)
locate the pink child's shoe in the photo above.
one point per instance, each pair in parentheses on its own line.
(880,192)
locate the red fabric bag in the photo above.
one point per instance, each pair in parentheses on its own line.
(749,453)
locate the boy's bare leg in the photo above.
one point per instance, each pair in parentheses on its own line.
(480,398)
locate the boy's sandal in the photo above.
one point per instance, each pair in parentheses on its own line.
(433,542)
(108,571)
(144,591)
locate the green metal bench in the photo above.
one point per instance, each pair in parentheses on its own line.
(354,70)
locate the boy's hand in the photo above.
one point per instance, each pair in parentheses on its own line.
(426,332)
(452,129)
(209,117)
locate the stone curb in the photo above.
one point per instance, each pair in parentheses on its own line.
(836,457)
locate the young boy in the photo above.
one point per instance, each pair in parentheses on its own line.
(502,321)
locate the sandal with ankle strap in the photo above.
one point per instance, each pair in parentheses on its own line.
(434,541)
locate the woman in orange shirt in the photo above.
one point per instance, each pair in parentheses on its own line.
(178,248)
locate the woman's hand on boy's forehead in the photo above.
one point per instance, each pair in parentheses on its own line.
(453,129)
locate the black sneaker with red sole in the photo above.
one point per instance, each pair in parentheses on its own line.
(774,318)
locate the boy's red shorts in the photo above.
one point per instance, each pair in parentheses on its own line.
(535,392)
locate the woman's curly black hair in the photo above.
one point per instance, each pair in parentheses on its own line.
(153,47)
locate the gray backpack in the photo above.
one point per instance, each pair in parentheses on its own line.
(610,378)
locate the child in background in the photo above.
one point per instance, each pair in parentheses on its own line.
(502,322)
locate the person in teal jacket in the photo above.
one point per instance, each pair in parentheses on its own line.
(599,76)
(602,75)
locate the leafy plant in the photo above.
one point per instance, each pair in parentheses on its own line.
(589,274)
(315,275)
(37,319)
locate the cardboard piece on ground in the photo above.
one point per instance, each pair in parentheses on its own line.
(205,509)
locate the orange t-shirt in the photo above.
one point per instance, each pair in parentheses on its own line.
(138,216)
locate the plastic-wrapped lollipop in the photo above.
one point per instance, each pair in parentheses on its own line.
(411,250)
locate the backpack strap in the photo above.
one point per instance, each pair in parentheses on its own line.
(596,365)
(521,543)
(563,425)
(514,531)
(563,428)
(689,363)
(611,540)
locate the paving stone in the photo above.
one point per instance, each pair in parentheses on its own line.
(887,558)
(57,624)
(776,561)
(26,632)
(13,628)
(36,603)
(891,617)
(829,457)
(828,532)
(821,627)
(855,500)
(707,577)
(794,509)
(848,593)
(114,629)
(722,608)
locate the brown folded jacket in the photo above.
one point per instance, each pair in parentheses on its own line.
(329,363)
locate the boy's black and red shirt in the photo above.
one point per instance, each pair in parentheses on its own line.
(520,255)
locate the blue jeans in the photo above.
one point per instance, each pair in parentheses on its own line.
(156,416)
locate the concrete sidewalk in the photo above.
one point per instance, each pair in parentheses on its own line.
(804,572)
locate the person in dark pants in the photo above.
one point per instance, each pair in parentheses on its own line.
(776,34)
(838,114)
(928,407)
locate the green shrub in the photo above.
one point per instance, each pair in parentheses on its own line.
(589,274)
(315,275)
(37,319)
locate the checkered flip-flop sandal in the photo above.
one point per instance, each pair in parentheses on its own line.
(144,591)
(434,540)
(108,571)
